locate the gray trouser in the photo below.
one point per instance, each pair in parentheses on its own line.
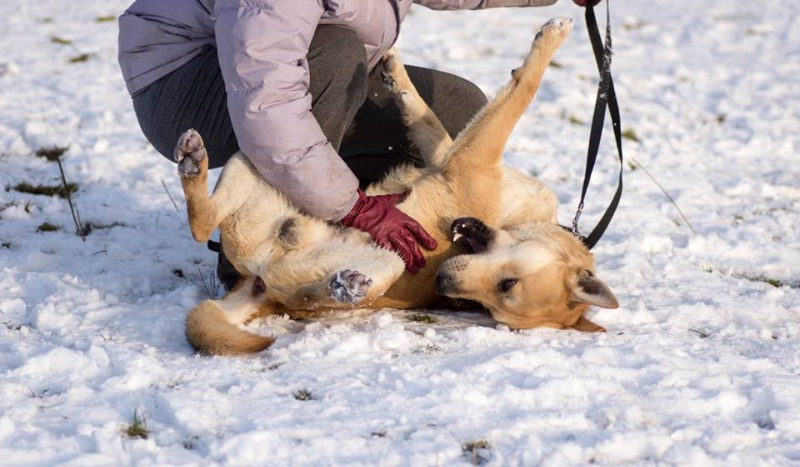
(353,107)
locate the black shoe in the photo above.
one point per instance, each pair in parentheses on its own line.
(226,273)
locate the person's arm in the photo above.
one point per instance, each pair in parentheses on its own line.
(480,4)
(262,47)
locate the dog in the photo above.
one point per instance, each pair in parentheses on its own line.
(498,241)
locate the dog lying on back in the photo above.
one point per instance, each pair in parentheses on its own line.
(498,241)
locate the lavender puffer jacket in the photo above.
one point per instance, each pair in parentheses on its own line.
(262,47)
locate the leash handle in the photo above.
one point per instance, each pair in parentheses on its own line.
(606,98)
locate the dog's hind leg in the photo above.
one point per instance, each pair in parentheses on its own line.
(206,213)
(213,326)
(425,130)
(481,144)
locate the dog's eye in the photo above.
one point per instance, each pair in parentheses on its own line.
(506,284)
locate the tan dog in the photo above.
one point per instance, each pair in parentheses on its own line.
(523,268)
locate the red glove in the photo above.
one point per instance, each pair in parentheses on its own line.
(390,228)
(585,2)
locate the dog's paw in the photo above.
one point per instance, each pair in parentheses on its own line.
(393,74)
(189,153)
(349,286)
(389,62)
(554,32)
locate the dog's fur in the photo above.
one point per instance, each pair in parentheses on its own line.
(525,270)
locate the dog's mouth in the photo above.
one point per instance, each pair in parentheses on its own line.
(473,234)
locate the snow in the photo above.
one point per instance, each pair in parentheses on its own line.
(701,364)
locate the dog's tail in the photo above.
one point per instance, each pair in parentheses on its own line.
(211,331)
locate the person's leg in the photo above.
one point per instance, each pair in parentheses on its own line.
(193,96)
(377,141)
(337,63)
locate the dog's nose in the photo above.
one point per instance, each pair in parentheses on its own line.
(443,283)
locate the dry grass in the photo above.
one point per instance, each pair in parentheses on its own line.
(46,190)
(137,428)
(477,451)
(80,58)
(48,227)
(423,318)
(60,40)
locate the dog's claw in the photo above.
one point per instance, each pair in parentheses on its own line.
(349,286)
(189,153)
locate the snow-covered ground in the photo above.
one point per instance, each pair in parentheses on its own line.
(701,364)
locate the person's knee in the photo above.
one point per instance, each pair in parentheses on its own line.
(465,100)
(471,96)
(338,58)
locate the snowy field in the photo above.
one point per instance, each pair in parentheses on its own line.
(701,364)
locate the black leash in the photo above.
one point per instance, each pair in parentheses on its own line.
(606,97)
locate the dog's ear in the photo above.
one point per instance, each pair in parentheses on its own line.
(584,325)
(590,290)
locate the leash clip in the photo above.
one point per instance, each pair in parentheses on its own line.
(578,213)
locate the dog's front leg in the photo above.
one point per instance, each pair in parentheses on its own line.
(425,130)
(365,275)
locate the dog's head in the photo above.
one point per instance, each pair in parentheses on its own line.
(533,275)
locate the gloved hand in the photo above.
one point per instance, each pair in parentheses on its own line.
(585,2)
(390,227)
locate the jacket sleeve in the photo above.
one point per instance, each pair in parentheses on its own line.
(262,47)
(479,4)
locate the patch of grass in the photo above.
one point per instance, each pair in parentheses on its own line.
(701,332)
(721,118)
(46,190)
(41,394)
(6,245)
(429,349)
(137,428)
(90,227)
(52,154)
(12,326)
(47,20)
(555,64)
(707,268)
(79,58)
(576,121)
(476,451)
(26,206)
(630,134)
(767,280)
(303,395)
(632,166)
(48,227)
(423,318)
(105,19)
(378,434)
(60,40)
